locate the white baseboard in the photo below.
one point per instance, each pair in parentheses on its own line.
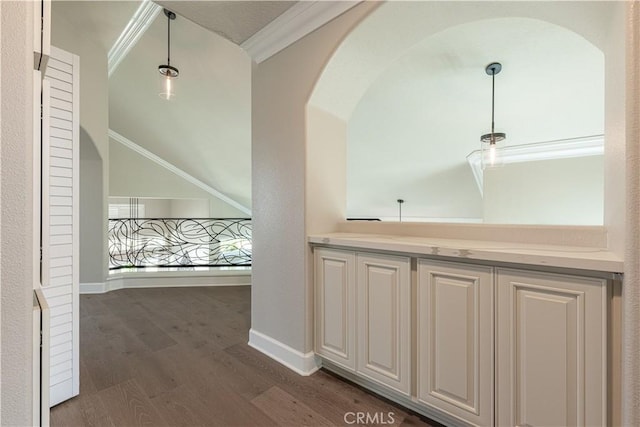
(148,280)
(303,363)
(94,288)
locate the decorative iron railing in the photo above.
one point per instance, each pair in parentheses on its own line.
(179,242)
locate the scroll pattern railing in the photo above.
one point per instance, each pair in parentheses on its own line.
(179,242)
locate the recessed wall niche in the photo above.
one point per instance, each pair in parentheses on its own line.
(408,97)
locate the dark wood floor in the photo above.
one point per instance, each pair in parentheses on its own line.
(179,357)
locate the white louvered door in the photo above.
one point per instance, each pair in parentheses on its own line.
(60,220)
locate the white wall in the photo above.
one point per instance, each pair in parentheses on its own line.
(190,208)
(91,211)
(616,72)
(281,293)
(133,175)
(630,321)
(156,208)
(560,191)
(147,208)
(168,208)
(326,170)
(16,228)
(94,124)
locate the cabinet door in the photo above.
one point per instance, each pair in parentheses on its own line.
(551,353)
(455,339)
(384,319)
(335,307)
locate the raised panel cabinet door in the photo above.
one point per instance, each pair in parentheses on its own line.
(335,306)
(455,339)
(551,353)
(384,320)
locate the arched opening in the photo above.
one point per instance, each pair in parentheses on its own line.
(405,98)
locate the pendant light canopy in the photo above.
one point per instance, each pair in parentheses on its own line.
(492,143)
(168,73)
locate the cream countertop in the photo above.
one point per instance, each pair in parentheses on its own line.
(583,258)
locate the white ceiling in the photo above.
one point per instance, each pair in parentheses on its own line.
(233,20)
(395,26)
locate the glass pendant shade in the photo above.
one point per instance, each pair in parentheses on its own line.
(168,77)
(492,145)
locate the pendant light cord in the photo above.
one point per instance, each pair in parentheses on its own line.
(492,138)
(493,95)
(168,40)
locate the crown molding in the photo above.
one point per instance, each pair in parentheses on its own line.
(138,24)
(182,174)
(295,23)
(550,150)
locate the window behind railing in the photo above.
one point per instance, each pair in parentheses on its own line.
(179,242)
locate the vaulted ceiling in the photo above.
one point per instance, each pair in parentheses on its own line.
(104,20)
(233,20)
(206,130)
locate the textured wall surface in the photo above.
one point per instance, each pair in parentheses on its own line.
(16,190)
(91,211)
(615,94)
(281,86)
(631,286)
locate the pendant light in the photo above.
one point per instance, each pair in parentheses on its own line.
(492,143)
(168,73)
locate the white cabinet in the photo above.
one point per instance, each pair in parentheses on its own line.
(384,320)
(363,314)
(475,344)
(551,352)
(335,314)
(455,339)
